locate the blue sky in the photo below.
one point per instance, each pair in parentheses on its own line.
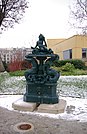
(49,17)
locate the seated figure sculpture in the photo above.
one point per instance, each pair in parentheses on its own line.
(41,46)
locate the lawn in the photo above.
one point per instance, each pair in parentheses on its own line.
(70,86)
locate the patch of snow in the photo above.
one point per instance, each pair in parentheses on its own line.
(7,100)
(71,88)
(76,108)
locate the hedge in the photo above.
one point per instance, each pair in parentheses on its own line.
(78,64)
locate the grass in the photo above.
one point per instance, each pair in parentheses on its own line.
(63,73)
(17,73)
(72,86)
(66,86)
(73,72)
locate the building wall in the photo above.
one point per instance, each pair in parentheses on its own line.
(13,54)
(76,43)
(52,42)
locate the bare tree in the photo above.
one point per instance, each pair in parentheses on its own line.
(78,16)
(11,11)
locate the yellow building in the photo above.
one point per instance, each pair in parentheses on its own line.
(74,47)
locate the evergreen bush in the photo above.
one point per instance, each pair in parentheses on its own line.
(78,64)
(68,67)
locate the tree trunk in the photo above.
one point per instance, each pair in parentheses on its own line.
(2,69)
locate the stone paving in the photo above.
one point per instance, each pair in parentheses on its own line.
(42,125)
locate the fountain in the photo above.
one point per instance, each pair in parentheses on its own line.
(41,82)
(41,79)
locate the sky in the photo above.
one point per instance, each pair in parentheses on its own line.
(48,17)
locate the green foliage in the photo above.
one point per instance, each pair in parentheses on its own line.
(78,64)
(17,73)
(59,69)
(68,67)
(73,71)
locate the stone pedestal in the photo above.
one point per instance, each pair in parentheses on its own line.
(43,108)
(53,108)
(24,106)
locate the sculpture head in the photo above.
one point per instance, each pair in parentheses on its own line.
(41,37)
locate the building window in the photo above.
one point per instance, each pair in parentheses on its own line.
(4,57)
(7,58)
(67,54)
(7,55)
(84,52)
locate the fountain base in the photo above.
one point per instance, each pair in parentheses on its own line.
(43,108)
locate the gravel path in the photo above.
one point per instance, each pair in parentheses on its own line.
(42,125)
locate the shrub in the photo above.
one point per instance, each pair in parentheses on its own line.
(68,67)
(19,65)
(17,73)
(78,64)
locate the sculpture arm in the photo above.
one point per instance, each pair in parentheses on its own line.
(45,43)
